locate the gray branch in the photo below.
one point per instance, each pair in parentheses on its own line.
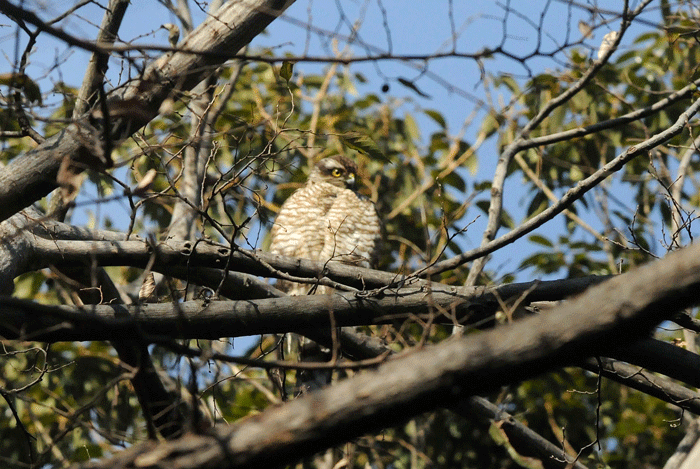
(202,319)
(189,254)
(637,377)
(606,317)
(32,175)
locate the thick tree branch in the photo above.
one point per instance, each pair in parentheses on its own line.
(31,176)
(636,377)
(214,319)
(663,357)
(188,254)
(15,251)
(606,317)
(233,285)
(191,254)
(525,440)
(58,243)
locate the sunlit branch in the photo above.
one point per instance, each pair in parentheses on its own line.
(569,197)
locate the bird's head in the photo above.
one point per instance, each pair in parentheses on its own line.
(337,170)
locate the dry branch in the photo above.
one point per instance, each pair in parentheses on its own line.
(204,319)
(636,377)
(191,255)
(606,317)
(572,195)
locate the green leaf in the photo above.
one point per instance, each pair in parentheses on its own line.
(411,128)
(286,70)
(453,179)
(576,174)
(437,117)
(509,82)
(541,240)
(507,220)
(490,124)
(363,144)
(19,80)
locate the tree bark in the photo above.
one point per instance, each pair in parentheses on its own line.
(188,254)
(605,318)
(32,175)
(205,319)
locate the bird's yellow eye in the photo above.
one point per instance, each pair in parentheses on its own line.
(336,173)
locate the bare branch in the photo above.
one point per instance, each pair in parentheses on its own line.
(638,378)
(33,175)
(605,318)
(184,254)
(662,357)
(497,187)
(526,441)
(94,76)
(205,319)
(569,198)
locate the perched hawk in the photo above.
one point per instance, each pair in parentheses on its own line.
(325,220)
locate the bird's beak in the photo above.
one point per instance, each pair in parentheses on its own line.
(350,180)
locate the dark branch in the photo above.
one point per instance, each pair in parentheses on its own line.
(638,378)
(214,319)
(662,357)
(181,254)
(607,317)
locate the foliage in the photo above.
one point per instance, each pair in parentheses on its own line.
(264,125)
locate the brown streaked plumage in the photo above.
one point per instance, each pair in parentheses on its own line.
(326,220)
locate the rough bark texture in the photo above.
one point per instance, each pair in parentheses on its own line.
(204,319)
(15,251)
(603,319)
(189,254)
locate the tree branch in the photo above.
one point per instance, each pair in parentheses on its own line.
(204,319)
(497,187)
(636,377)
(662,357)
(606,317)
(32,175)
(523,439)
(567,199)
(188,254)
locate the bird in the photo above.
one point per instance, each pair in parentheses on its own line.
(324,220)
(327,220)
